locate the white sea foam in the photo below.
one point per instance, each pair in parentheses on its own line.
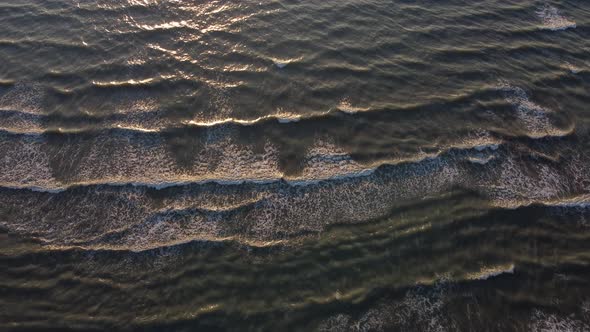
(24,97)
(493,271)
(574,69)
(513,183)
(553,20)
(547,322)
(280,117)
(331,186)
(420,309)
(346,106)
(326,160)
(25,164)
(270,210)
(534,118)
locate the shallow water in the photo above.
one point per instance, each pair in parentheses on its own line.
(356,165)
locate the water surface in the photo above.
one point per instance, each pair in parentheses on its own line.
(351,165)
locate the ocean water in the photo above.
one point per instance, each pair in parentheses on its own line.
(282,165)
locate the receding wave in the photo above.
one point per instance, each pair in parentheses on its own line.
(280,209)
(323,161)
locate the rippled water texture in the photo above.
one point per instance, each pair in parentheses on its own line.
(350,165)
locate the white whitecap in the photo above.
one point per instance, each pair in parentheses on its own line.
(491,272)
(282,63)
(553,20)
